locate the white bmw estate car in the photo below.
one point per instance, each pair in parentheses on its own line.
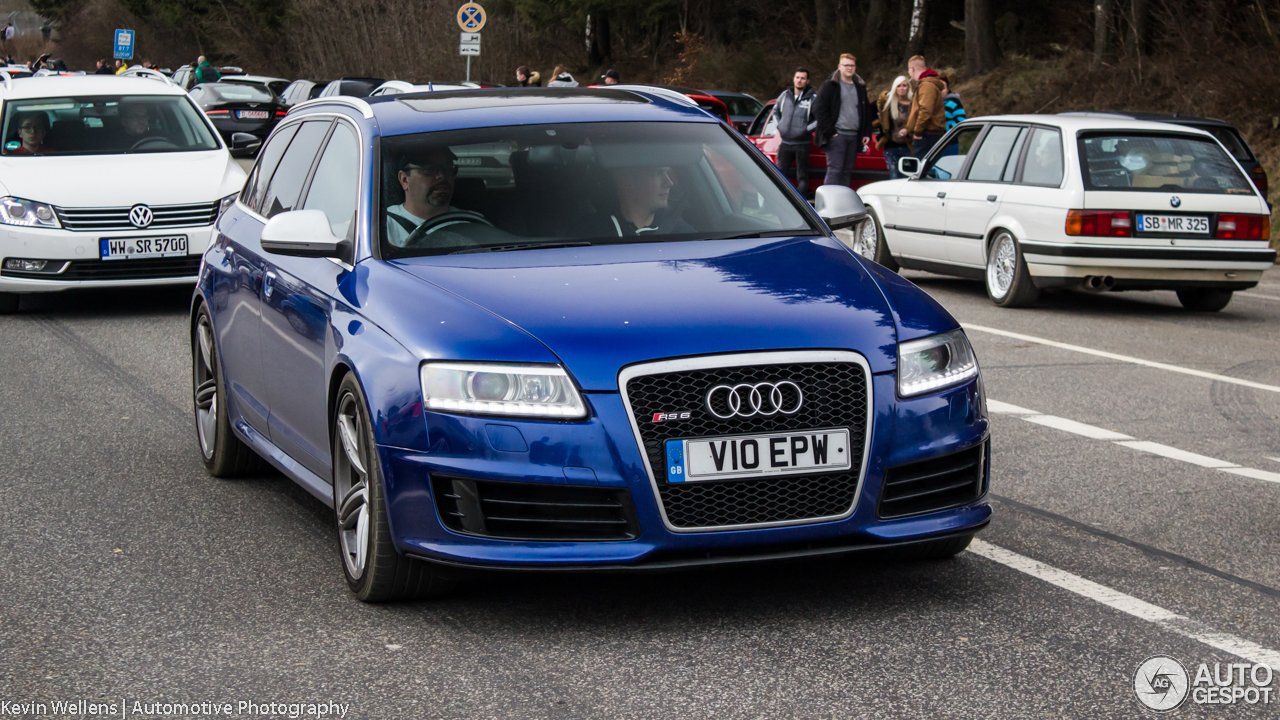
(1028,202)
(106,181)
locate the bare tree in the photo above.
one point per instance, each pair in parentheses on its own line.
(915,29)
(825,14)
(872,28)
(980,50)
(1101,32)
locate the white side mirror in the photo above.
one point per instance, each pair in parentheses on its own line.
(302,233)
(909,166)
(839,206)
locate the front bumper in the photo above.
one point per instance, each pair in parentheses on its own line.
(902,432)
(78,252)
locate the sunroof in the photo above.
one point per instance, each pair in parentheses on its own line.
(505,97)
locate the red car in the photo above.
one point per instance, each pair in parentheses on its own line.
(868,168)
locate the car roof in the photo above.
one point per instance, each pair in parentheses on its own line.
(1156,117)
(727,93)
(38,87)
(252,78)
(458,109)
(1077,123)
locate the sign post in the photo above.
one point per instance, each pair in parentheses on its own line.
(124,44)
(471,19)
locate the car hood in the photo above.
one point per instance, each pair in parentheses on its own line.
(604,307)
(122,180)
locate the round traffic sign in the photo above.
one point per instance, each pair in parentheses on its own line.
(471,17)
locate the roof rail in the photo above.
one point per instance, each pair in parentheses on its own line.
(347,100)
(663,93)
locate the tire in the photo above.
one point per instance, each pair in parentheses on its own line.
(8,303)
(1007,279)
(375,572)
(936,549)
(870,243)
(1204,300)
(224,454)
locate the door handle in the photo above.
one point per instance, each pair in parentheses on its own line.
(268,284)
(992,198)
(942,194)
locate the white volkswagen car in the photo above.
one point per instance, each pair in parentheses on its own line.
(106,181)
(1028,202)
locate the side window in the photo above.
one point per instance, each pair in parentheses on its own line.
(1011,169)
(336,185)
(1044,158)
(948,159)
(256,186)
(286,182)
(993,156)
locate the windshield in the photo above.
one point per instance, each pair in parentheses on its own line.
(740,105)
(576,184)
(1159,163)
(102,125)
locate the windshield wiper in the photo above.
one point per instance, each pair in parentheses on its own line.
(763,234)
(521,246)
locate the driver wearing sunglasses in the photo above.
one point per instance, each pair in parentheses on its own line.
(427,178)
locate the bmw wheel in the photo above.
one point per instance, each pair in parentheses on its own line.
(870,243)
(1008,281)
(8,303)
(224,454)
(375,572)
(1204,300)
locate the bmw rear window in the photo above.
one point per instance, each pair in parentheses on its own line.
(1140,162)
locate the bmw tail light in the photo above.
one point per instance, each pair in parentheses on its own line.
(1243,227)
(1100,223)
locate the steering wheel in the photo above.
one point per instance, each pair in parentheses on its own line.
(158,142)
(450,218)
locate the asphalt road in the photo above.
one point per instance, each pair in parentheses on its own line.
(127,574)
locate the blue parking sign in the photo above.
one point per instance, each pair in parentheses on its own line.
(124,44)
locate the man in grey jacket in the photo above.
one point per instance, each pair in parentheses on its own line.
(794,111)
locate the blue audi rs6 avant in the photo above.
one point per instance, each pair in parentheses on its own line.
(573,329)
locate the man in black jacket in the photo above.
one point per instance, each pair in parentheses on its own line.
(844,120)
(794,111)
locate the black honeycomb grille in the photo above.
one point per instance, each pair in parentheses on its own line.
(835,396)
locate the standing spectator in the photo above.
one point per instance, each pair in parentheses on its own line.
(611,78)
(9,32)
(794,111)
(524,78)
(121,66)
(894,112)
(46,31)
(844,120)
(206,73)
(560,77)
(928,120)
(951,104)
(104,68)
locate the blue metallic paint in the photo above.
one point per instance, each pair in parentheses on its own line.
(668,300)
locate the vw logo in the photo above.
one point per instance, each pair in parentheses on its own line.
(140,216)
(747,400)
(1175,201)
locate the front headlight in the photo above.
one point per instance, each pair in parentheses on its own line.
(524,390)
(16,211)
(935,362)
(225,204)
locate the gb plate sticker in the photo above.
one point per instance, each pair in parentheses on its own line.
(675,461)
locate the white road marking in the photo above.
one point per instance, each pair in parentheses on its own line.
(1165,619)
(1097,433)
(1079,428)
(1253,473)
(1124,358)
(1260,297)
(1176,454)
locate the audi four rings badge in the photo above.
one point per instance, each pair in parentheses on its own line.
(140,216)
(747,400)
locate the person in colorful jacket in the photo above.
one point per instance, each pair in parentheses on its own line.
(951,104)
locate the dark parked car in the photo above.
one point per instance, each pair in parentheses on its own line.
(1225,132)
(742,107)
(302,90)
(237,108)
(352,86)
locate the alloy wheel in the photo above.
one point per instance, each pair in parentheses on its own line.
(867,240)
(1001,265)
(351,486)
(206,389)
